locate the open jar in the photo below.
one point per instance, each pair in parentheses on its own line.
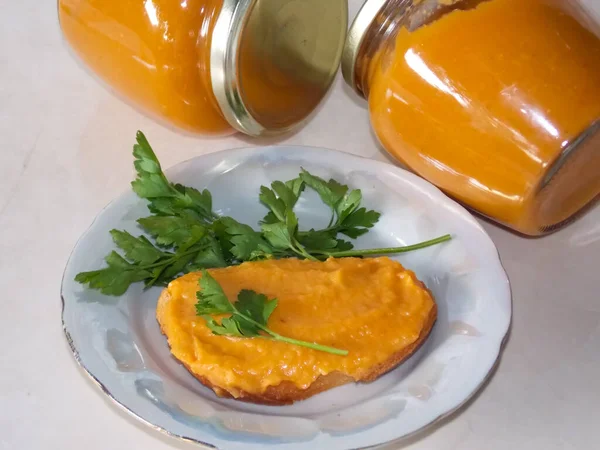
(497,102)
(212,66)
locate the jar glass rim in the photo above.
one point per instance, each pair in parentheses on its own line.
(356,34)
(280,33)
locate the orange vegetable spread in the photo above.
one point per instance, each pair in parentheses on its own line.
(371,307)
(482,101)
(154,52)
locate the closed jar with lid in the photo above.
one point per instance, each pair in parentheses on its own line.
(497,102)
(212,67)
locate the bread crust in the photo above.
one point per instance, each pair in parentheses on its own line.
(287,392)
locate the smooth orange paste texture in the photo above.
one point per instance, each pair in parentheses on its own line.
(483,100)
(371,307)
(153,52)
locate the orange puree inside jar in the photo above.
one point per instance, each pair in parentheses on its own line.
(154,52)
(490,104)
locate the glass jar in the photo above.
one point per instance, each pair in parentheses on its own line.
(497,102)
(212,66)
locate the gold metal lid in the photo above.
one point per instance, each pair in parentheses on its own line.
(354,41)
(272,61)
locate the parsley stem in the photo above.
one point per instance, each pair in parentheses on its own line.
(322,348)
(389,250)
(299,248)
(278,337)
(173,258)
(323,230)
(331,221)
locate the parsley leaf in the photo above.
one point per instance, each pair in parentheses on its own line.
(256,306)
(212,298)
(173,231)
(165,198)
(139,250)
(193,199)
(150,181)
(347,218)
(331,192)
(246,244)
(116,278)
(164,273)
(211,256)
(148,264)
(278,235)
(280,198)
(275,204)
(348,204)
(248,316)
(297,186)
(280,225)
(343,246)
(227,327)
(358,222)
(318,239)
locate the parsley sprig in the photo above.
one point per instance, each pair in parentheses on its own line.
(247,317)
(184,234)
(347,217)
(280,225)
(167,198)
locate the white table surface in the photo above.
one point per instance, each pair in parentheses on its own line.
(66,152)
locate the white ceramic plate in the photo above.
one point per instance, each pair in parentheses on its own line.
(118,343)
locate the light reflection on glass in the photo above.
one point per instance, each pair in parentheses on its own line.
(483,187)
(529,149)
(534,115)
(144,63)
(440,165)
(416,63)
(472,181)
(166,32)
(397,96)
(538,118)
(205,27)
(478,112)
(151,12)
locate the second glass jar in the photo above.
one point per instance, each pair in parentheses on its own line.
(497,102)
(212,66)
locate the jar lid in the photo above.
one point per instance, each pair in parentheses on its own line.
(356,35)
(273,61)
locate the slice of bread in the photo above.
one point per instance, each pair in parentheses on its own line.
(287,392)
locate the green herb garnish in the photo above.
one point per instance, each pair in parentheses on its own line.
(347,217)
(166,198)
(247,317)
(187,235)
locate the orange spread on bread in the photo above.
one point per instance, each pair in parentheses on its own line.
(373,307)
